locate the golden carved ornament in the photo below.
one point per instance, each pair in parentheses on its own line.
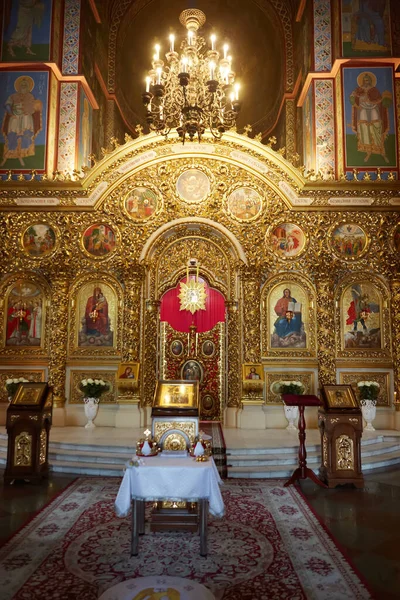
(382,379)
(344,447)
(23,449)
(325,450)
(76,376)
(187,427)
(42,447)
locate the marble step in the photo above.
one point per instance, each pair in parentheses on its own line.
(87,468)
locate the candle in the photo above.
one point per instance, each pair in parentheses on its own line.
(159,71)
(184,63)
(148,84)
(237,87)
(190,37)
(171,41)
(213,38)
(212,67)
(226,48)
(157,54)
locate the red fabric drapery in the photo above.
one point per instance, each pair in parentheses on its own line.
(181,320)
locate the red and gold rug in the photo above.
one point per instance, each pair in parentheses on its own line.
(268,545)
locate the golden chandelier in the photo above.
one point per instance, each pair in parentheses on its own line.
(193,91)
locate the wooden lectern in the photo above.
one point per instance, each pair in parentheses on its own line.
(340,425)
(28,424)
(302,471)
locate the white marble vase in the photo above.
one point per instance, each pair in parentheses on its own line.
(292,415)
(91,409)
(368,409)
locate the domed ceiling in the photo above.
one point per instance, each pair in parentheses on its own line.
(252,29)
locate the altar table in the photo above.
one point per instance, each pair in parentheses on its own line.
(173,479)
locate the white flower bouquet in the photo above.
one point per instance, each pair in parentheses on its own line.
(368,390)
(12,384)
(93,388)
(288,387)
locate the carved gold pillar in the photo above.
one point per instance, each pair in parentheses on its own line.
(132,312)
(326,331)
(290,128)
(251,315)
(149,353)
(234,366)
(58,339)
(395,312)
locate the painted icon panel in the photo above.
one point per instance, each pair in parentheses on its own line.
(349,241)
(38,240)
(25,315)
(193,186)
(366,28)
(287,240)
(361,317)
(192,371)
(141,203)
(26,30)
(96,314)
(288,310)
(99,240)
(244,204)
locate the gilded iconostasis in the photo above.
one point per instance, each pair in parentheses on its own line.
(289,225)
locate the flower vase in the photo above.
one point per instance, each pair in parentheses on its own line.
(91,409)
(292,415)
(368,409)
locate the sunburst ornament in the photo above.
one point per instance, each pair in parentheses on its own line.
(192,294)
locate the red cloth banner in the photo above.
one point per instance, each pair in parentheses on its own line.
(181,320)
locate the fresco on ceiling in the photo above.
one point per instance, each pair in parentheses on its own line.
(26,30)
(366,28)
(85,131)
(369,117)
(24,98)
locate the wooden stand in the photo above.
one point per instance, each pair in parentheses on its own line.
(177,516)
(28,425)
(302,471)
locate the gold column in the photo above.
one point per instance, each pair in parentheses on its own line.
(58,339)
(132,314)
(234,366)
(395,312)
(290,128)
(326,331)
(150,355)
(251,315)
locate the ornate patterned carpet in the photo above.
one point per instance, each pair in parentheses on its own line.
(268,545)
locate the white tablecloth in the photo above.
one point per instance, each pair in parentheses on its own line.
(171,479)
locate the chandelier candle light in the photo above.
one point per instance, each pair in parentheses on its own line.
(192,91)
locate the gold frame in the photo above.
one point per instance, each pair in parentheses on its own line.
(391,238)
(117,235)
(206,172)
(135,366)
(246,369)
(339,397)
(29,393)
(56,243)
(337,224)
(237,186)
(22,349)
(268,234)
(381,377)
(77,374)
(163,389)
(152,188)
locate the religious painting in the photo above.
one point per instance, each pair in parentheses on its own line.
(252,372)
(192,371)
(25,315)
(339,397)
(99,240)
(176,348)
(361,317)
(38,240)
(288,310)
(193,186)
(208,348)
(141,203)
(84,130)
(308,130)
(366,28)
(396,238)
(208,405)
(287,240)
(26,30)
(176,394)
(24,96)
(97,315)
(30,394)
(128,371)
(369,119)
(244,204)
(348,241)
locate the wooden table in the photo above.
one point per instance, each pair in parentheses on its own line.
(170,479)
